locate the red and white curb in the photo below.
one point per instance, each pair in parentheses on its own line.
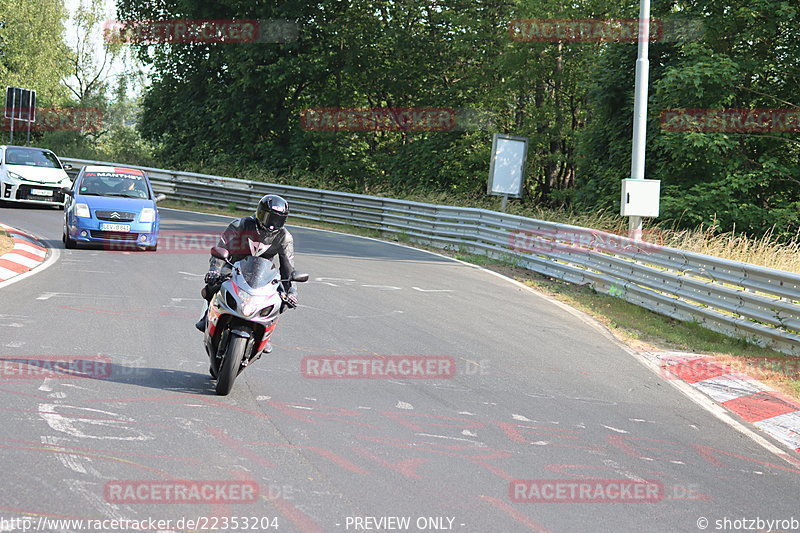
(774,413)
(27,254)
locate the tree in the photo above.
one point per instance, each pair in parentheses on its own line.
(33,48)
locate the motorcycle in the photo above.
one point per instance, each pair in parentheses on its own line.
(242,316)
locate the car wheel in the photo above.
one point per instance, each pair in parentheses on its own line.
(69,244)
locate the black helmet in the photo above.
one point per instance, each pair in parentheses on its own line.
(271,212)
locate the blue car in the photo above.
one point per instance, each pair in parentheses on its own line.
(111,206)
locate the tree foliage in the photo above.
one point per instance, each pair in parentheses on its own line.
(238,106)
(33,54)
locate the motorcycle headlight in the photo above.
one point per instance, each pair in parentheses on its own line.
(148,215)
(250,307)
(82,211)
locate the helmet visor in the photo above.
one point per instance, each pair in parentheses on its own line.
(274,221)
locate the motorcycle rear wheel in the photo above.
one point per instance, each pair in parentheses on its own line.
(230,364)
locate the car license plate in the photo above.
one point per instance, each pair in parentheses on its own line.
(42,192)
(115,227)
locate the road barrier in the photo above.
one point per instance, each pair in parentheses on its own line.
(738,299)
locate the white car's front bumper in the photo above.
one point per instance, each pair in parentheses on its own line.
(30,192)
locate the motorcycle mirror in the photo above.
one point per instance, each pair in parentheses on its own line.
(220,253)
(299,277)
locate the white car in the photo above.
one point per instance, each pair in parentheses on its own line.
(32,175)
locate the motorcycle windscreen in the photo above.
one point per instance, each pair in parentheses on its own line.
(257,271)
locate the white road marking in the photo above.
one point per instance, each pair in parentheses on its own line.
(30,249)
(521,418)
(6,273)
(310,399)
(431,290)
(362,407)
(333,279)
(616,467)
(302,407)
(466,413)
(70,461)
(469,433)
(45,386)
(21,259)
(614,429)
(480,444)
(263,398)
(15,344)
(48,295)
(404,405)
(74,386)
(74,426)
(12,325)
(540,443)
(384,287)
(191,274)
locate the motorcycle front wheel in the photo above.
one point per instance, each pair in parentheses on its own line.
(230,364)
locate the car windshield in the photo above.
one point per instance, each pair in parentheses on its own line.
(113,184)
(31,158)
(257,271)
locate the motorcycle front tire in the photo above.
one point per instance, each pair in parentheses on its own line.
(230,364)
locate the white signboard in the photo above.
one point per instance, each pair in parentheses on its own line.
(507,167)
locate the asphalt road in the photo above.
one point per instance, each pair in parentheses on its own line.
(538,394)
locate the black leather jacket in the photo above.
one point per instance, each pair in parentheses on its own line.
(244,237)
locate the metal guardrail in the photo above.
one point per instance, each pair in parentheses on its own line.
(738,299)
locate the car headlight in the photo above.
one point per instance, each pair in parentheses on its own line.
(148,215)
(82,211)
(13,176)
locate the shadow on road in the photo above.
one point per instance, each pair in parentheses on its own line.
(160,378)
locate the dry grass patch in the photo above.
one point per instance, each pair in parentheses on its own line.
(6,242)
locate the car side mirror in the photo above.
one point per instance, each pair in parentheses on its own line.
(67,191)
(299,277)
(160,197)
(67,166)
(220,253)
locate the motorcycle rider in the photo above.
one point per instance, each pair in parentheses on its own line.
(261,234)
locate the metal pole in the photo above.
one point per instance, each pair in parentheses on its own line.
(640,109)
(13,107)
(28,116)
(504,203)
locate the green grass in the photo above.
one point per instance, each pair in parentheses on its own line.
(631,324)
